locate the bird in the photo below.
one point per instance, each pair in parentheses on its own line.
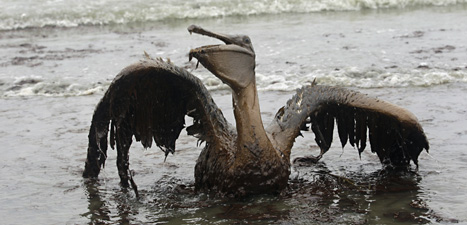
(149,100)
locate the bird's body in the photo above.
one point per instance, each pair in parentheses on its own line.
(149,100)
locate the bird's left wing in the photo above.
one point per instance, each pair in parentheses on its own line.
(394,133)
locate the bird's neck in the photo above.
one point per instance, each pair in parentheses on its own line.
(250,129)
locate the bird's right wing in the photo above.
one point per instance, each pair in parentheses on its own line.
(149,101)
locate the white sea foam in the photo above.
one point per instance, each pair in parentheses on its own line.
(364,79)
(68,13)
(52,89)
(35,86)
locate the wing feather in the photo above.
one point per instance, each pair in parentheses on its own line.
(394,133)
(150,100)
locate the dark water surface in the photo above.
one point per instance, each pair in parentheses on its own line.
(44,142)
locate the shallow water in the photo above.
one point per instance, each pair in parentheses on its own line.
(44,150)
(52,78)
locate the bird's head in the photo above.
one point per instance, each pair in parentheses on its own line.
(232,62)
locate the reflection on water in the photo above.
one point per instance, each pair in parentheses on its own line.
(98,209)
(314,195)
(102,204)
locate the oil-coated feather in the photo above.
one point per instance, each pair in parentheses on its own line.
(394,133)
(148,101)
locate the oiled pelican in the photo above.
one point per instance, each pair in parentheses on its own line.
(149,100)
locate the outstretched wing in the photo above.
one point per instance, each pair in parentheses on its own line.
(394,133)
(149,100)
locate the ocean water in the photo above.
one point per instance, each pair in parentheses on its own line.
(67,13)
(58,57)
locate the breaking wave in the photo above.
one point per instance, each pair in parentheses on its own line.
(69,13)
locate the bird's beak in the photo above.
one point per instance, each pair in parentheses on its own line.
(231,62)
